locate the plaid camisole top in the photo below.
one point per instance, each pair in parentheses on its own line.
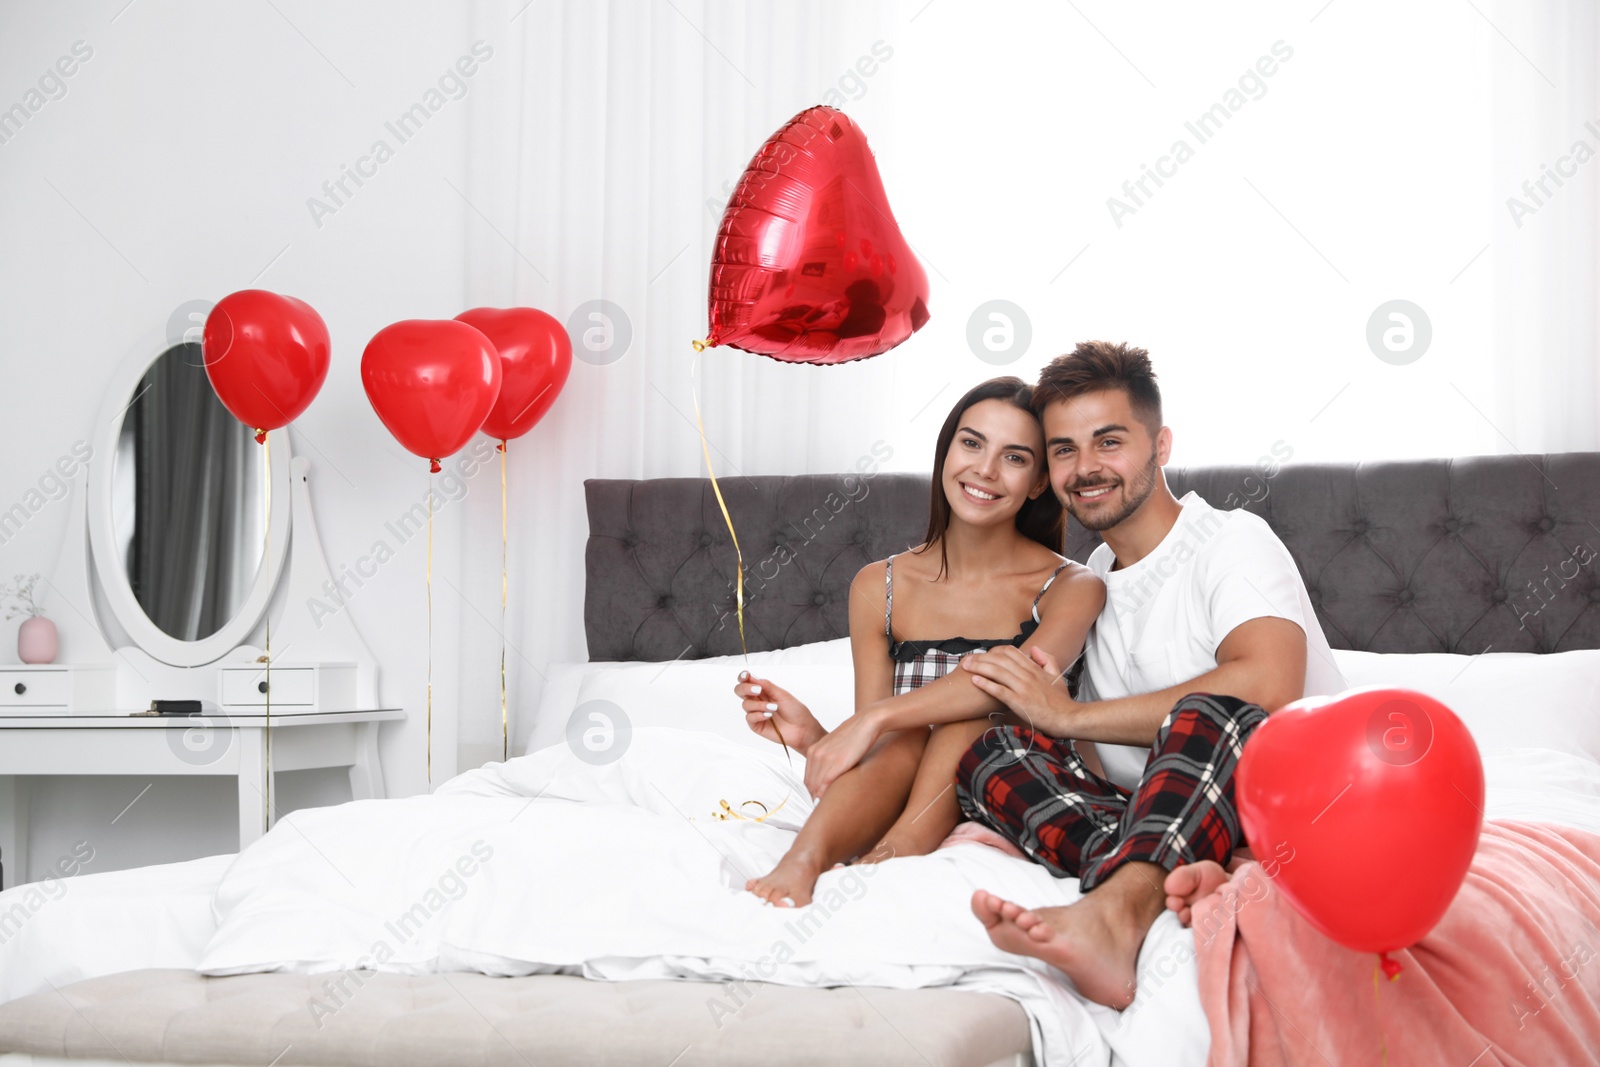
(916,663)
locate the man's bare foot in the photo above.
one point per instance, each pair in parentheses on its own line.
(791,882)
(1094,942)
(1187,884)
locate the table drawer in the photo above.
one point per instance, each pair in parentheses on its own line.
(291,686)
(21,688)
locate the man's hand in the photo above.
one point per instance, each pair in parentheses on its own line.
(840,750)
(1029,683)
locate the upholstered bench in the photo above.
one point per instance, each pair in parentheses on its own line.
(389,1020)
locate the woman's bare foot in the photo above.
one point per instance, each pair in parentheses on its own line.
(905,838)
(1095,942)
(791,882)
(1187,884)
(887,849)
(921,827)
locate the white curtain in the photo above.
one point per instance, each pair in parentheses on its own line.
(1364,168)
(1546,238)
(603,178)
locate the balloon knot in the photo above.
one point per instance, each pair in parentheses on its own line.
(261,437)
(433,466)
(1391,968)
(501,447)
(701,346)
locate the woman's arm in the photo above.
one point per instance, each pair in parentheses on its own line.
(1067,610)
(869,645)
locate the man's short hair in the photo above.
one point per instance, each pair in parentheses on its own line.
(1096,365)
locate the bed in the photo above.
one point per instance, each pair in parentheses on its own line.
(1418,570)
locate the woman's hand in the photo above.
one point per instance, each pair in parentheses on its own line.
(837,752)
(765,704)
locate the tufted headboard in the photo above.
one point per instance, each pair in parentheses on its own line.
(1486,553)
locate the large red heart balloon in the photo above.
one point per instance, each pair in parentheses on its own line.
(535,358)
(432,383)
(809,265)
(266,355)
(1367,806)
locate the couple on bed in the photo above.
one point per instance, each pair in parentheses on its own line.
(1188,624)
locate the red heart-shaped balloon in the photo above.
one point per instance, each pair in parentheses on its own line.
(809,265)
(266,355)
(535,358)
(432,383)
(1365,808)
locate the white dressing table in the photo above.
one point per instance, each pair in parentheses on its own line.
(235,745)
(153,527)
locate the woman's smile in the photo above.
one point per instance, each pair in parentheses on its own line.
(977,495)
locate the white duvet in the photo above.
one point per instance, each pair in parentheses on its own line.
(547,863)
(624,871)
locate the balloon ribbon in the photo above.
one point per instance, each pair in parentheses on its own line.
(434,466)
(266,565)
(1392,969)
(699,347)
(505,746)
(728,812)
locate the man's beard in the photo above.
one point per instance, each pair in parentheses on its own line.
(1139,494)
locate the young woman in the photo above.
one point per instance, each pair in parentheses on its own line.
(885,782)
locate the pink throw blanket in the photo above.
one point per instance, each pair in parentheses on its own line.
(1511,975)
(975,833)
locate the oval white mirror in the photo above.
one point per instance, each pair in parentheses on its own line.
(178,510)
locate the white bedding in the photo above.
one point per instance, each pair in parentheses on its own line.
(61,931)
(622,872)
(161,916)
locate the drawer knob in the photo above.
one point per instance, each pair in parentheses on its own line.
(20,688)
(261,687)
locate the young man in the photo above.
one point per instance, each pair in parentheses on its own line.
(1206,627)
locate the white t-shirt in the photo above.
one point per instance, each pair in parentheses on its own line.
(1166,614)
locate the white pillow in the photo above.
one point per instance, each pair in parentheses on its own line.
(695,696)
(563,681)
(1508,700)
(835,652)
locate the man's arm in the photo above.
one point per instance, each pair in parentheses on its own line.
(1261,661)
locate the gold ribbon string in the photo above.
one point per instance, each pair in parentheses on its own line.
(1390,967)
(430,621)
(728,811)
(266,565)
(1377,999)
(700,347)
(505,746)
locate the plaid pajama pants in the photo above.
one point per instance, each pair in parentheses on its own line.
(1035,791)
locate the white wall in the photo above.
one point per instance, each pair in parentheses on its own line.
(1351,169)
(579,165)
(177,166)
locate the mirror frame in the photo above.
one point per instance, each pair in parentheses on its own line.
(112,570)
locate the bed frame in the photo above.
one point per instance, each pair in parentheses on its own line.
(1436,555)
(1465,555)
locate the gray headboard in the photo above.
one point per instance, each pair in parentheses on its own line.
(1441,555)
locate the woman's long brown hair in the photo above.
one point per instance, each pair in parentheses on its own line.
(1042,519)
